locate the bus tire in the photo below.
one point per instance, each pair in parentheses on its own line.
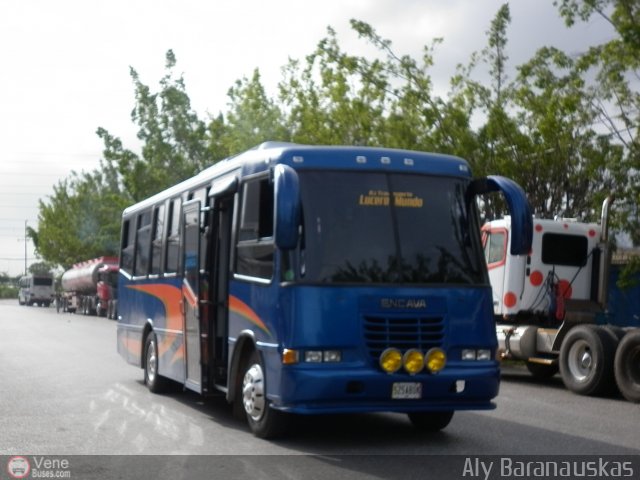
(264,421)
(430,421)
(627,366)
(542,371)
(155,382)
(586,360)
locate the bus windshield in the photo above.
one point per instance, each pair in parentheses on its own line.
(372,227)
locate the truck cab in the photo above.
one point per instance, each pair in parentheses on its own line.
(561,266)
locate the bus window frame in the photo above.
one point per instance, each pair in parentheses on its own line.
(174,204)
(259,241)
(158,209)
(139,228)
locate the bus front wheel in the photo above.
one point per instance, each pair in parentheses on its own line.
(154,381)
(264,421)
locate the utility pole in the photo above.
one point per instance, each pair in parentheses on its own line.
(25,247)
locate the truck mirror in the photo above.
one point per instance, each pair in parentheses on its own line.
(519,209)
(287,206)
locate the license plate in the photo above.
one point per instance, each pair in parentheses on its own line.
(405,390)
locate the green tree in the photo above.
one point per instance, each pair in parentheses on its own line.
(253,117)
(615,95)
(175,143)
(81,220)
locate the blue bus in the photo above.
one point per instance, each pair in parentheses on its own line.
(298,279)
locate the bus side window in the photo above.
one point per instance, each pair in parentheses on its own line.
(173,236)
(127,247)
(255,237)
(158,233)
(143,245)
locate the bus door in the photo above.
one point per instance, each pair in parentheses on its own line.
(191,294)
(219,267)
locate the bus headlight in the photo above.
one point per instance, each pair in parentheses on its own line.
(313,356)
(484,354)
(469,354)
(435,360)
(413,361)
(332,356)
(473,354)
(391,360)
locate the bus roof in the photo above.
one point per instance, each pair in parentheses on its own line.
(301,157)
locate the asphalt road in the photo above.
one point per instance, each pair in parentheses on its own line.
(64,390)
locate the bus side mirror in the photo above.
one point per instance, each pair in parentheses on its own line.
(519,209)
(287,206)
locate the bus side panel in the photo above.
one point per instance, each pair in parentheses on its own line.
(252,310)
(155,302)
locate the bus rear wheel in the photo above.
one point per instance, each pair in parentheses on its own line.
(154,381)
(264,421)
(430,421)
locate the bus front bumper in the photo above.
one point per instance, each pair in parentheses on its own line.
(322,390)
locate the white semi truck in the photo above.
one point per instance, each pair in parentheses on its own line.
(552,310)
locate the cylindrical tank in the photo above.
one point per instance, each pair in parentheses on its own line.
(82,278)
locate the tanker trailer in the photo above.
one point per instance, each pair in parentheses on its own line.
(90,287)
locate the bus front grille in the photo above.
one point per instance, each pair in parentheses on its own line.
(402,333)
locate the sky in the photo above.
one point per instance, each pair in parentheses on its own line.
(64,68)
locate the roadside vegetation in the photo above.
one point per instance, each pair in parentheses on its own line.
(565,126)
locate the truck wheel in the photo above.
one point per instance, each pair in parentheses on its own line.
(627,366)
(264,421)
(542,370)
(586,360)
(430,421)
(154,381)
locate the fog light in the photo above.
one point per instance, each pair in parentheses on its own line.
(289,357)
(484,354)
(468,354)
(313,356)
(435,360)
(413,361)
(332,356)
(391,360)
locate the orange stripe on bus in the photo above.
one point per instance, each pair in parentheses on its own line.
(239,307)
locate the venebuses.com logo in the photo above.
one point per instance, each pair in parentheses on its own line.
(18,467)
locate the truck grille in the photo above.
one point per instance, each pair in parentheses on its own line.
(402,333)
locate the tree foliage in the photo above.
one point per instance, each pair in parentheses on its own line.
(614,93)
(544,127)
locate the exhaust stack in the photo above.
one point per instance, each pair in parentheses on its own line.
(605,254)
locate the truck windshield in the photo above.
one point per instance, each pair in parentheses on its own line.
(372,227)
